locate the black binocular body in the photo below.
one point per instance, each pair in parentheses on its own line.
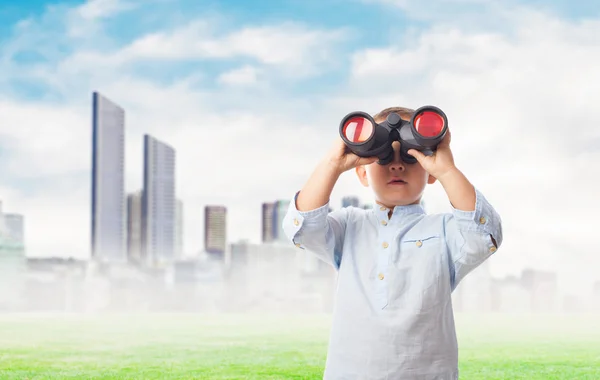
(366,138)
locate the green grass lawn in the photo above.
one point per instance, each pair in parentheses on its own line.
(273,347)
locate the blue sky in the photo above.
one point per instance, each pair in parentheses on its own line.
(251,93)
(125,27)
(362,24)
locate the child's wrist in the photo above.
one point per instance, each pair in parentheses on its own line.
(332,166)
(450,175)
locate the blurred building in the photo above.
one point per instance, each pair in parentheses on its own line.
(12,259)
(474,292)
(350,201)
(108,181)
(179,230)
(56,284)
(268,230)
(12,228)
(542,288)
(509,296)
(159,204)
(215,231)
(134,227)
(276,277)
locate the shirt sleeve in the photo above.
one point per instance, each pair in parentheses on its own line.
(470,237)
(318,231)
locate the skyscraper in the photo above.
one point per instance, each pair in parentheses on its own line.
(179,229)
(12,260)
(14,233)
(158,204)
(267,222)
(215,230)
(108,184)
(134,226)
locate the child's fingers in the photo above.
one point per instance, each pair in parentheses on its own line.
(416,154)
(367,160)
(446,140)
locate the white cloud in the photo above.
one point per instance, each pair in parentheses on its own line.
(292,47)
(95,9)
(246,75)
(44,139)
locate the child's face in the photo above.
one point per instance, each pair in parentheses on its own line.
(396,183)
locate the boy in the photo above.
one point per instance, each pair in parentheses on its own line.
(397,266)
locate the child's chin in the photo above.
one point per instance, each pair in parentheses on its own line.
(398,200)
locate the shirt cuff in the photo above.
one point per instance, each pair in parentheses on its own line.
(483,219)
(295,220)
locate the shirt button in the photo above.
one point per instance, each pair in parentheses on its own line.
(482,220)
(380,276)
(298,245)
(419,243)
(384,222)
(296,222)
(385,244)
(382,208)
(493,249)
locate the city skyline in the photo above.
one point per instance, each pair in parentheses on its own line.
(160,238)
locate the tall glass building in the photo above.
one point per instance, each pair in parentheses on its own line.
(134,227)
(159,204)
(215,230)
(108,182)
(268,232)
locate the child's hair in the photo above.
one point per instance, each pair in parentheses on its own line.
(403,112)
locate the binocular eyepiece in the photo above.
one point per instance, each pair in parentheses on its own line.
(423,132)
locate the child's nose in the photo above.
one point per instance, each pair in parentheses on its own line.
(397,165)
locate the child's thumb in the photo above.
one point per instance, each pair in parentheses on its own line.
(416,154)
(367,160)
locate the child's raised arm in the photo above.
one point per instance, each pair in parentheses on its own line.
(473,231)
(308,223)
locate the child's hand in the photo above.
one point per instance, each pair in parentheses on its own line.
(343,159)
(441,162)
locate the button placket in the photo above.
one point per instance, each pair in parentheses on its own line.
(384,250)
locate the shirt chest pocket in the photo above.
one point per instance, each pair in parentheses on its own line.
(416,273)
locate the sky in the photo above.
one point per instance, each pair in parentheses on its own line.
(251,94)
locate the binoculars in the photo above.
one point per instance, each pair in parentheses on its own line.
(423,132)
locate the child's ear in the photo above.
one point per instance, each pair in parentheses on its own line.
(431,179)
(361,172)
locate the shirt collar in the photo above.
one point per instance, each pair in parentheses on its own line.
(382,211)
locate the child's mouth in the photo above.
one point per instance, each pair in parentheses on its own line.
(396,182)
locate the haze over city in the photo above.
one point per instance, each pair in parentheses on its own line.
(250,107)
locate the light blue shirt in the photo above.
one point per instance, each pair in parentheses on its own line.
(393,316)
